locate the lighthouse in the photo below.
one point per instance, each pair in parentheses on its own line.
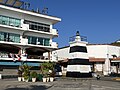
(78,64)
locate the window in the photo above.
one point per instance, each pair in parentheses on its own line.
(29,40)
(0,19)
(10,21)
(78,61)
(78,49)
(32,40)
(46,42)
(17,23)
(14,38)
(38,26)
(1,36)
(5,20)
(38,41)
(9,37)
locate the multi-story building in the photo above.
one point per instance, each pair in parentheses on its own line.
(25,35)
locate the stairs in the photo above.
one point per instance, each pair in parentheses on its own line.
(8,73)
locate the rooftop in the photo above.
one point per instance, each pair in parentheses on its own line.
(12,3)
(23,7)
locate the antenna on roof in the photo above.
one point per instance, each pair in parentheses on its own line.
(38,11)
(27,5)
(45,11)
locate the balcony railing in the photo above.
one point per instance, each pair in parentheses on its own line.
(24,41)
(54,32)
(25,26)
(16,57)
(83,38)
(54,44)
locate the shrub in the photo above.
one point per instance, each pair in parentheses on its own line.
(47,68)
(33,74)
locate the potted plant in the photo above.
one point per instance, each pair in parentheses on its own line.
(47,69)
(26,76)
(52,74)
(51,71)
(26,72)
(33,76)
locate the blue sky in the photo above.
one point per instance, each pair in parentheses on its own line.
(99,20)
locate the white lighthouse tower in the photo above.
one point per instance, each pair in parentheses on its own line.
(78,64)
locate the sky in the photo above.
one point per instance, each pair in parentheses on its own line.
(99,20)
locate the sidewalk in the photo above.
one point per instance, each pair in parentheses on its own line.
(62,83)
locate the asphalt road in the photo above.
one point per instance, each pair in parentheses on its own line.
(62,84)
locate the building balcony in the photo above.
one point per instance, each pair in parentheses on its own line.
(25,26)
(16,57)
(54,32)
(54,44)
(39,29)
(24,41)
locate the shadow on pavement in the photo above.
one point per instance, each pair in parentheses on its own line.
(33,87)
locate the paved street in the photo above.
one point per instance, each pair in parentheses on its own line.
(62,84)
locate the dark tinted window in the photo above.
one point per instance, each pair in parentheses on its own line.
(78,49)
(78,61)
(38,26)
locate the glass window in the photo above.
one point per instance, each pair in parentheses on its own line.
(46,42)
(12,22)
(78,49)
(1,36)
(34,40)
(38,26)
(78,61)
(17,38)
(29,40)
(14,38)
(9,37)
(5,36)
(17,23)
(5,20)
(40,41)
(0,19)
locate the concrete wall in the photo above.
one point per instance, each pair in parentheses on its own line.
(101,51)
(61,54)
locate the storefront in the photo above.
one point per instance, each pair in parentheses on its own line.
(115,65)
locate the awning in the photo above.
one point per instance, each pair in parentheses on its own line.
(92,59)
(117,59)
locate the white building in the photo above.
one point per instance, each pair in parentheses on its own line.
(101,58)
(25,35)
